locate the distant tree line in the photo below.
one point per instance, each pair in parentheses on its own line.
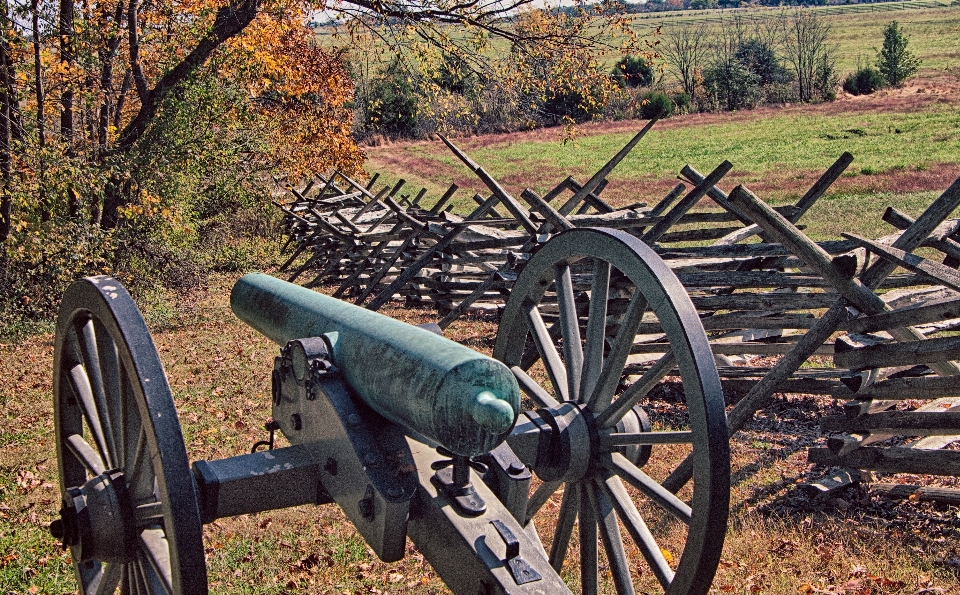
(737,63)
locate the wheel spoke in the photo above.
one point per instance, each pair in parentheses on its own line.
(617,358)
(137,581)
(614,490)
(589,570)
(540,497)
(533,390)
(661,496)
(157,552)
(144,584)
(148,513)
(84,394)
(568,514)
(630,439)
(612,542)
(125,585)
(132,427)
(141,477)
(88,342)
(548,352)
(636,391)
(111,376)
(596,326)
(85,453)
(110,575)
(569,329)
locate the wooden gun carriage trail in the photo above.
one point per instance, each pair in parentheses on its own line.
(754,299)
(415,436)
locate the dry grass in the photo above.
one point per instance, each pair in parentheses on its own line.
(779,541)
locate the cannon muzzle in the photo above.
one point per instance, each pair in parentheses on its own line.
(461,399)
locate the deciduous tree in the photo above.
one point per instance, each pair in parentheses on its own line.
(808,48)
(146,117)
(685,48)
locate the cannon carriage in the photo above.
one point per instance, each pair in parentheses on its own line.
(415,436)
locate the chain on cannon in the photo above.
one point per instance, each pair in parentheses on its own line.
(415,436)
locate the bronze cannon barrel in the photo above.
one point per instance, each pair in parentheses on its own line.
(461,399)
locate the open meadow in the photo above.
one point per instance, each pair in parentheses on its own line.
(856,29)
(780,540)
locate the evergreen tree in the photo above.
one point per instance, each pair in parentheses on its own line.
(894,61)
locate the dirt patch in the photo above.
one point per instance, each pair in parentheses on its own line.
(416,164)
(895,180)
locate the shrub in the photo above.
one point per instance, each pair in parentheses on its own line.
(825,78)
(863,82)
(731,85)
(392,102)
(633,71)
(760,58)
(564,102)
(681,100)
(656,104)
(456,76)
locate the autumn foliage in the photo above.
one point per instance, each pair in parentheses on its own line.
(135,136)
(143,137)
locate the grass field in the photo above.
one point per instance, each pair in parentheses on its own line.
(777,153)
(903,140)
(933,27)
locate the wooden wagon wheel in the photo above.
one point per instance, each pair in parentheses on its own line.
(130,514)
(597,449)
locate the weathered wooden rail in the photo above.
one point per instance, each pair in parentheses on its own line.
(786,296)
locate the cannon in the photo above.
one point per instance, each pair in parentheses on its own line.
(415,436)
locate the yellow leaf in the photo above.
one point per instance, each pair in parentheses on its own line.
(667,555)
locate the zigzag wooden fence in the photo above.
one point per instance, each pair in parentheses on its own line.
(784,295)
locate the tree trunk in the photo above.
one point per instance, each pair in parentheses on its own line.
(66,56)
(113,198)
(42,199)
(8,126)
(230,21)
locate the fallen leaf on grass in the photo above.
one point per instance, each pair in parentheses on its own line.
(784,546)
(887,583)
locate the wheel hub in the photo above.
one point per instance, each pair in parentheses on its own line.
(557,443)
(562,443)
(97,520)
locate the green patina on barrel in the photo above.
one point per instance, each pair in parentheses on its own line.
(449,393)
